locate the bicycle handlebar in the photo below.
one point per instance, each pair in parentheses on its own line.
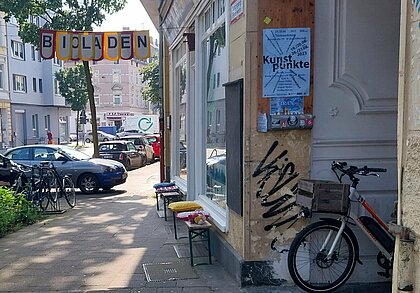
(353,170)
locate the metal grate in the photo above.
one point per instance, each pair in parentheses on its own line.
(159,272)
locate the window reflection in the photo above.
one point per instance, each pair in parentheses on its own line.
(216,75)
(181,75)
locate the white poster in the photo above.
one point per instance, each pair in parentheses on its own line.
(286,62)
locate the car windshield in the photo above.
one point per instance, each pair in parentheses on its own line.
(74,154)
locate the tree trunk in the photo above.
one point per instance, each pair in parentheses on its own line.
(92,109)
(77,127)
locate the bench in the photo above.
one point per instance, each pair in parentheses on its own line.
(167,191)
(196,230)
(182,206)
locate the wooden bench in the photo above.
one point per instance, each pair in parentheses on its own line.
(182,206)
(194,231)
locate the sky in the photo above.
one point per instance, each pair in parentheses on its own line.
(133,16)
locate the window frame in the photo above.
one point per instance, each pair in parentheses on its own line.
(17,50)
(19,87)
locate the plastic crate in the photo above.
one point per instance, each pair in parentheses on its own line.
(323,196)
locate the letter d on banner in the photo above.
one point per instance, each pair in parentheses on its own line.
(47,43)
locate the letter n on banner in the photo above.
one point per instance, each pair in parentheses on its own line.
(112,46)
(141,44)
(63,45)
(126,43)
(86,46)
(99,46)
(47,43)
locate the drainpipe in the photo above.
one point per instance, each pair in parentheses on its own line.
(403,277)
(162,100)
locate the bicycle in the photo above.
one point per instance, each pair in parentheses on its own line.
(324,254)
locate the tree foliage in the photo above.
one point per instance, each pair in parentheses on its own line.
(150,74)
(72,84)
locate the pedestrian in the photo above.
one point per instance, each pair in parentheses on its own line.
(50,137)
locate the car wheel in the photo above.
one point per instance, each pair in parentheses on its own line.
(106,139)
(87,140)
(128,165)
(88,184)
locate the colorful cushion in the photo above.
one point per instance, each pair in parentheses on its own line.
(163,184)
(184,206)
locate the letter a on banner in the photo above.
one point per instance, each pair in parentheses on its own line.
(98,52)
(141,44)
(112,46)
(63,45)
(47,40)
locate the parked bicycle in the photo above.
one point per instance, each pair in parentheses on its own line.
(323,255)
(45,185)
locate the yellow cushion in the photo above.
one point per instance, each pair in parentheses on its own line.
(184,206)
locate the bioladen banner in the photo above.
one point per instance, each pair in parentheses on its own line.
(72,45)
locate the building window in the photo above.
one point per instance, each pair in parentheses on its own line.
(56,87)
(18,50)
(57,61)
(33,53)
(34,84)
(1,76)
(116,76)
(40,85)
(39,56)
(35,129)
(47,122)
(117,100)
(19,83)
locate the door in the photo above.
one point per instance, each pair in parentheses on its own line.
(355,100)
(19,133)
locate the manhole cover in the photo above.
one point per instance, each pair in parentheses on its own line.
(183,250)
(159,272)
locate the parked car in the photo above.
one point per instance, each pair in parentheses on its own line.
(124,152)
(154,141)
(102,136)
(141,142)
(129,132)
(88,174)
(9,170)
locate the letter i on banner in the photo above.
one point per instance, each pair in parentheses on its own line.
(63,45)
(99,46)
(86,45)
(126,43)
(75,46)
(112,46)
(47,43)
(141,44)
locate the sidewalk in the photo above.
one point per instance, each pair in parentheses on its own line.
(102,244)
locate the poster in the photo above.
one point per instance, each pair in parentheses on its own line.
(286,62)
(286,106)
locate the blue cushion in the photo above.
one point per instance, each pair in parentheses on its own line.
(164,184)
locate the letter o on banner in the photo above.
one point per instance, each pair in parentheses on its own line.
(47,40)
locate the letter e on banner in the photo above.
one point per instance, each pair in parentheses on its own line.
(47,43)
(141,44)
(126,43)
(63,45)
(112,46)
(86,46)
(99,45)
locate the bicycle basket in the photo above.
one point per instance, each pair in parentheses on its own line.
(323,196)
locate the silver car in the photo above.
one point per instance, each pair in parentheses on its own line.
(102,136)
(88,174)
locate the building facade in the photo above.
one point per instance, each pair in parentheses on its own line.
(36,103)
(243,157)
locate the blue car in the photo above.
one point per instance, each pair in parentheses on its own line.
(88,174)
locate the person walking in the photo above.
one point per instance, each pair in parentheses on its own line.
(50,137)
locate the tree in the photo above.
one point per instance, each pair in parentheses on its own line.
(72,84)
(62,15)
(150,74)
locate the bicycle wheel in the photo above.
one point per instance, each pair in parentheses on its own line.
(69,192)
(42,194)
(308,264)
(54,186)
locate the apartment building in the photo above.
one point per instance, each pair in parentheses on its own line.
(5,119)
(36,103)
